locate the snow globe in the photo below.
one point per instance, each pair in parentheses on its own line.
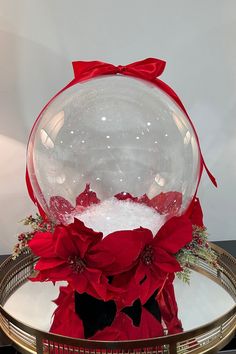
(113,165)
(114,155)
(122,139)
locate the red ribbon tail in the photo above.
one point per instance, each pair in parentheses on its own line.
(210,175)
(148,69)
(85,70)
(32,197)
(173,95)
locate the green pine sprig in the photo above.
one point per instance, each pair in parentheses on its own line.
(36,224)
(198,248)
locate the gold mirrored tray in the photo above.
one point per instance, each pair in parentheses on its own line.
(210,336)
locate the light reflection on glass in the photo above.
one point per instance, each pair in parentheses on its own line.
(49,132)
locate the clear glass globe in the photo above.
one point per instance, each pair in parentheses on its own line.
(112,135)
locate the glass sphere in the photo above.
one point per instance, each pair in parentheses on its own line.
(113,134)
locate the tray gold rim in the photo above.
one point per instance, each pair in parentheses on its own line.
(170,343)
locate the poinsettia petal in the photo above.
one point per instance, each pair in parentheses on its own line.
(100,288)
(174,234)
(78,281)
(150,285)
(91,281)
(48,263)
(164,261)
(129,288)
(143,199)
(83,237)
(87,197)
(125,196)
(100,258)
(139,282)
(58,273)
(60,207)
(167,203)
(74,239)
(147,280)
(87,234)
(141,272)
(147,287)
(123,279)
(65,245)
(42,244)
(123,246)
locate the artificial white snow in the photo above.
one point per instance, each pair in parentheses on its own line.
(115,215)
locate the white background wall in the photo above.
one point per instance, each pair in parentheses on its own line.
(197,38)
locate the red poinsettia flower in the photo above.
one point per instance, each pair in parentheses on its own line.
(119,251)
(139,262)
(64,255)
(158,256)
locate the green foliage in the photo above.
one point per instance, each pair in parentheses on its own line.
(198,248)
(35,224)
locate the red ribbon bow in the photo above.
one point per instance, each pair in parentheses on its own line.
(148,69)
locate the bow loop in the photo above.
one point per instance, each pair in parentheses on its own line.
(148,69)
(85,70)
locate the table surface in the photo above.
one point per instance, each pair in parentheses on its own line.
(229,246)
